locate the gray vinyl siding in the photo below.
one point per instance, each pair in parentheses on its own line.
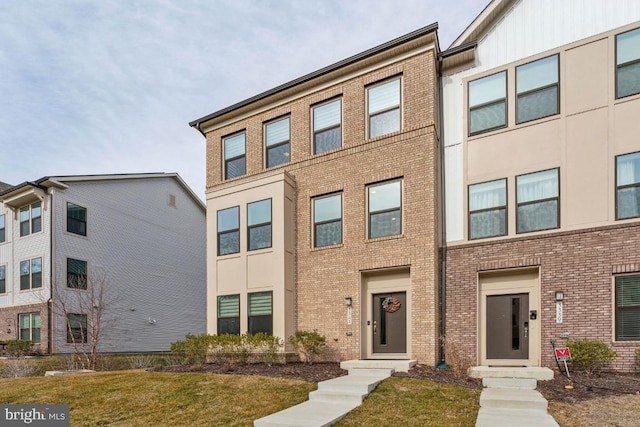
(152,255)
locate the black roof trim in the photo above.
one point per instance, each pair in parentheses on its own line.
(463,47)
(367,53)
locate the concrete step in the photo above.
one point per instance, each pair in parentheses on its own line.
(512,399)
(401,365)
(517,383)
(349,383)
(307,414)
(371,372)
(499,417)
(337,396)
(534,372)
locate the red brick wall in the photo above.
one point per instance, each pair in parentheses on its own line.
(581,263)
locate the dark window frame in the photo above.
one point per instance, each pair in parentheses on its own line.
(623,187)
(31,329)
(230,231)
(220,320)
(504,207)
(504,100)
(28,225)
(370,115)
(617,308)
(382,211)
(538,201)
(31,275)
(260,225)
(320,131)
(226,161)
(77,280)
(3,229)
(329,221)
(261,316)
(539,89)
(268,148)
(75,334)
(624,65)
(77,226)
(3,279)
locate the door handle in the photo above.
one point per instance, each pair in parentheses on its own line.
(375,326)
(526,329)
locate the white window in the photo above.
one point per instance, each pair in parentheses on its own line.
(384,108)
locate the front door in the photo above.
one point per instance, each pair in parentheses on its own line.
(389,323)
(507,331)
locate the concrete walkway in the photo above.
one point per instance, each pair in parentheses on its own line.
(510,398)
(335,398)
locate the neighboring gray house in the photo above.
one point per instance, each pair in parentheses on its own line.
(140,238)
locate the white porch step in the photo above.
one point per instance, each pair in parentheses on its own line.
(349,383)
(307,414)
(500,417)
(509,399)
(512,383)
(371,372)
(534,372)
(337,396)
(400,365)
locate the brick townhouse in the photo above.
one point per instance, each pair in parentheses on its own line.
(323,206)
(543,180)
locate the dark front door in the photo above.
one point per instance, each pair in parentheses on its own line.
(390,323)
(507,331)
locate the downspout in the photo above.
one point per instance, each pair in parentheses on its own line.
(443,213)
(52,271)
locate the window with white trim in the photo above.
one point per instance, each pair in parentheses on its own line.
(383,100)
(76,328)
(76,273)
(3,279)
(76,219)
(30,219)
(29,327)
(31,274)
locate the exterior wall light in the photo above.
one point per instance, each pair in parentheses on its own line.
(559,295)
(348,302)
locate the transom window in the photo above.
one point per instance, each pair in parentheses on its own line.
(30,219)
(385,209)
(31,274)
(488,209)
(277,141)
(3,279)
(327,129)
(229,231)
(261,312)
(235,163)
(76,273)
(628,186)
(384,108)
(537,89)
(29,327)
(76,219)
(3,229)
(628,63)
(259,225)
(76,328)
(327,220)
(538,201)
(229,314)
(488,103)
(627,308)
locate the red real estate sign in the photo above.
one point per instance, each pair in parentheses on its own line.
(562,354)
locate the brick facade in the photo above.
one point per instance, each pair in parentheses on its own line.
(581,263)
(10,327)
(325,276)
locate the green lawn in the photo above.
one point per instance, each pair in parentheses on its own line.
(139,398)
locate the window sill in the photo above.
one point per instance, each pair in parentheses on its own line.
(382,239)
(323,248)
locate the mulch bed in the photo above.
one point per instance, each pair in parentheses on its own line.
(584,387)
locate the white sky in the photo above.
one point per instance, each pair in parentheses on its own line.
(109,86)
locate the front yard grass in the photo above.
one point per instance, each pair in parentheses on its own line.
(139,398)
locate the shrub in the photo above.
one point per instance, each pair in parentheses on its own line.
(194,349)
(590,354)
(308,344)
(458,361)
(264,348)
(18,368)
(18,348)
(638,356)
